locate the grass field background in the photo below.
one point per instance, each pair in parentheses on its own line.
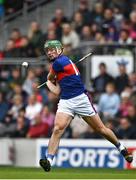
(73,173)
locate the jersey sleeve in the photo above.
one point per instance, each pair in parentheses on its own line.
(57,67)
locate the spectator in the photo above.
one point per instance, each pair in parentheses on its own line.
(16,90)
(109,102)
(99,37)
(4,78)
(86,34)
(133,5)
(77,22)
(16,37)
(16,106)
(125,6)
(1,55)
(86,13)
(4,106)
(132,80)
(118,16)
(112,34)
(27,86)
(108,20)
(26,49)
(68,50)
(94,29)
(126,130)
(125,104)
(132,115)
(50,27)
(133,25)
(129,90)
(48,117)
(41,93)
(22,113)
(122,81)
(52,101)
(10,50)
(69,36)
(41,73)
(100,82)
(133,98)
(59,19)
(21,128)
(15,78)
(38,129)
(35,34)
(124,37)
(51,35)
(33,108)
(8,127)
(126,24)
(98,13)
(53,27)
(37,91)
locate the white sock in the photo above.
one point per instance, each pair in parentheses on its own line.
(121,147)
(50,160)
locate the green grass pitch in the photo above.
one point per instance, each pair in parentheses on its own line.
(59,173)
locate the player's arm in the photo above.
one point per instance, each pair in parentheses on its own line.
(54,88)
(51,75)
(54,70)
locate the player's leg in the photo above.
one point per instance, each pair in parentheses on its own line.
(62,120)
(96,123)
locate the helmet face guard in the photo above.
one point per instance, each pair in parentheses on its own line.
(54,44)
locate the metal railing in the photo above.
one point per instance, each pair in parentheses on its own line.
(83,49)
(26,9)
(18,61)
(19,19)
(35,12)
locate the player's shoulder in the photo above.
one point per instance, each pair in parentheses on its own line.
(62,60)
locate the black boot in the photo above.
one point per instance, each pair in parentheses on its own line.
(45,164)
(127,155)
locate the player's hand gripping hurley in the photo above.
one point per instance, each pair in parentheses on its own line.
(83,58)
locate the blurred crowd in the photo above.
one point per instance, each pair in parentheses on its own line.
(104,22)
(29,112)
(9,7)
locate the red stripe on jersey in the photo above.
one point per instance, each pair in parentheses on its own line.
(68,71)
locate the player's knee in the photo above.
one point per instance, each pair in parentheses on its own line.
(58,130)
